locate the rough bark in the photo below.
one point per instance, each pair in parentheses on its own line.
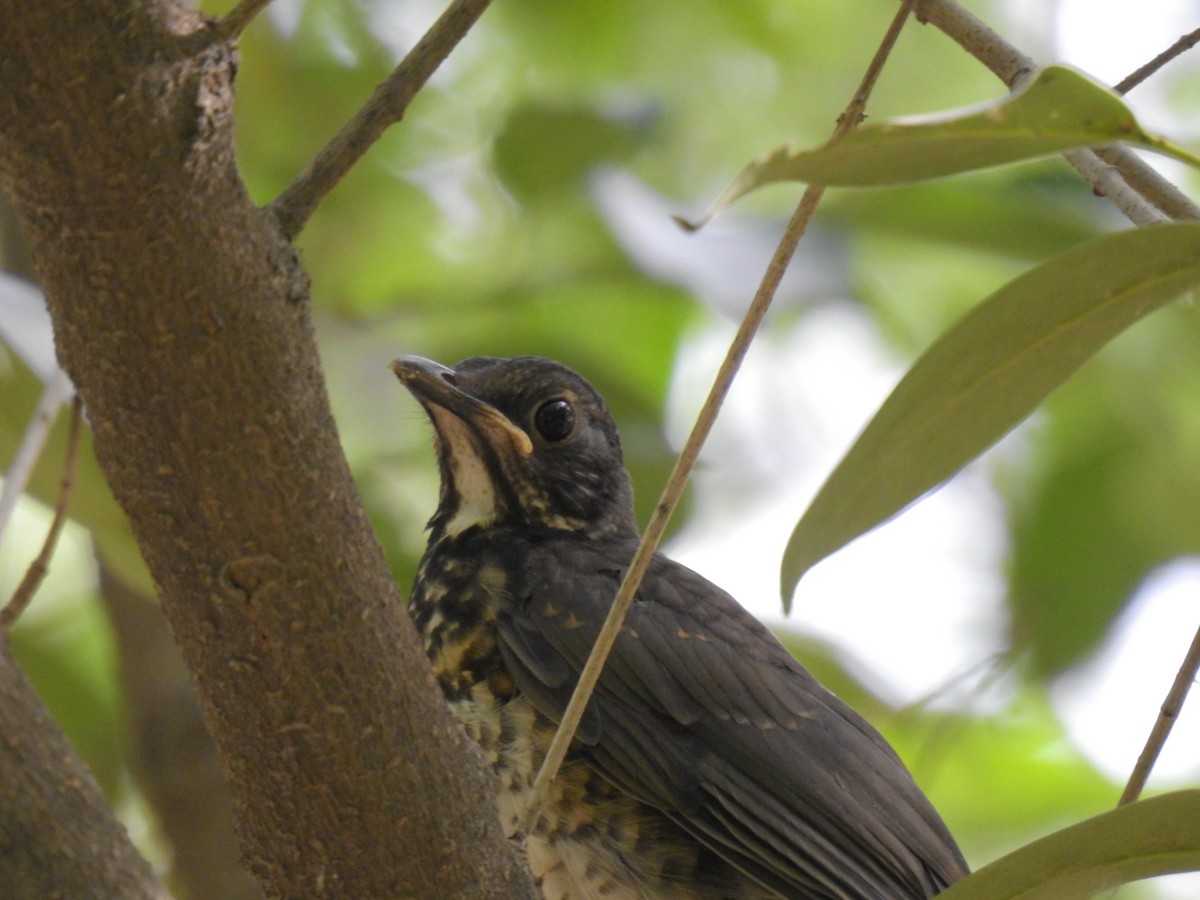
(58,836)
(181,315)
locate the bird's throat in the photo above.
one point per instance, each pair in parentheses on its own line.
(468,476)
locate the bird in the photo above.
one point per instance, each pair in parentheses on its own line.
(709,762)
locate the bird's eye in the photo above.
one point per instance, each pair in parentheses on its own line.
(555,420)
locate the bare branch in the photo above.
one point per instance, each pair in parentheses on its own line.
(236,20)
(1107,180)
(1181,46)
(386,107)
(677,481)
(57,391)
(1010,64)
(38,568)
(1140,176)
(1162,725)
(978,38)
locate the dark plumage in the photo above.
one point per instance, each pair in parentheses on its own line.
(709,764)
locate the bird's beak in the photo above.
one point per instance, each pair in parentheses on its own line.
(436,385)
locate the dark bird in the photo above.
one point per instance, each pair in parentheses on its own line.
(709,763)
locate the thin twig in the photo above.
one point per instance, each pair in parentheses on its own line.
(978,38)
(386,107)
(1108,180)
(38,568)
(691,450)
(1140,176)
(1141,204)
(1181,46)
(1136,172)
(235,21)
(1163,724)
(57,391)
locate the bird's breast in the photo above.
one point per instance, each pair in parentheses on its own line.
(588,839)
(454,605)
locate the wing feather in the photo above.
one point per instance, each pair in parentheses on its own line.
(703,714)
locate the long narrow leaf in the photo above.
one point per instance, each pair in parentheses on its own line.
(988,373)
(1059,109)
(1159,836)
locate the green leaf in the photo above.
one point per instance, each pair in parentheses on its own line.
(1159,836)
(1059,109)
(988,373)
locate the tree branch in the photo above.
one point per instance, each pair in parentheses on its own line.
(386,107)
(1140,176)
(56,392)
(1107,180)
(235,21)
(1010,64)
(1136,77)
(196,357)
(1163,723)
(38,568)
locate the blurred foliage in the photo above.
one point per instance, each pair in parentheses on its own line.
(474,228)
(1111,491)
(68,655)
(1058,109)
(990,372)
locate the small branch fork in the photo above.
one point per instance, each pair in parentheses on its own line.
(38,568)
(590,675)
(386,107)
(1144,196)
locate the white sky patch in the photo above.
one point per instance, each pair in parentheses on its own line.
(1110,703)
(917,602)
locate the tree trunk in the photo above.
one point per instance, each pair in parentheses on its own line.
(181,314)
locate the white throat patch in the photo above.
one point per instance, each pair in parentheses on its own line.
(471,479)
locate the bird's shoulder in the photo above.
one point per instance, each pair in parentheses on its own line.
(687,648)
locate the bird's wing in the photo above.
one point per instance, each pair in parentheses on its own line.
(702,713)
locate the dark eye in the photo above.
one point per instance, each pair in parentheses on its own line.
(555,420)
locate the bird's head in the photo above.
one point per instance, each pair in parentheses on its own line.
(524,442)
